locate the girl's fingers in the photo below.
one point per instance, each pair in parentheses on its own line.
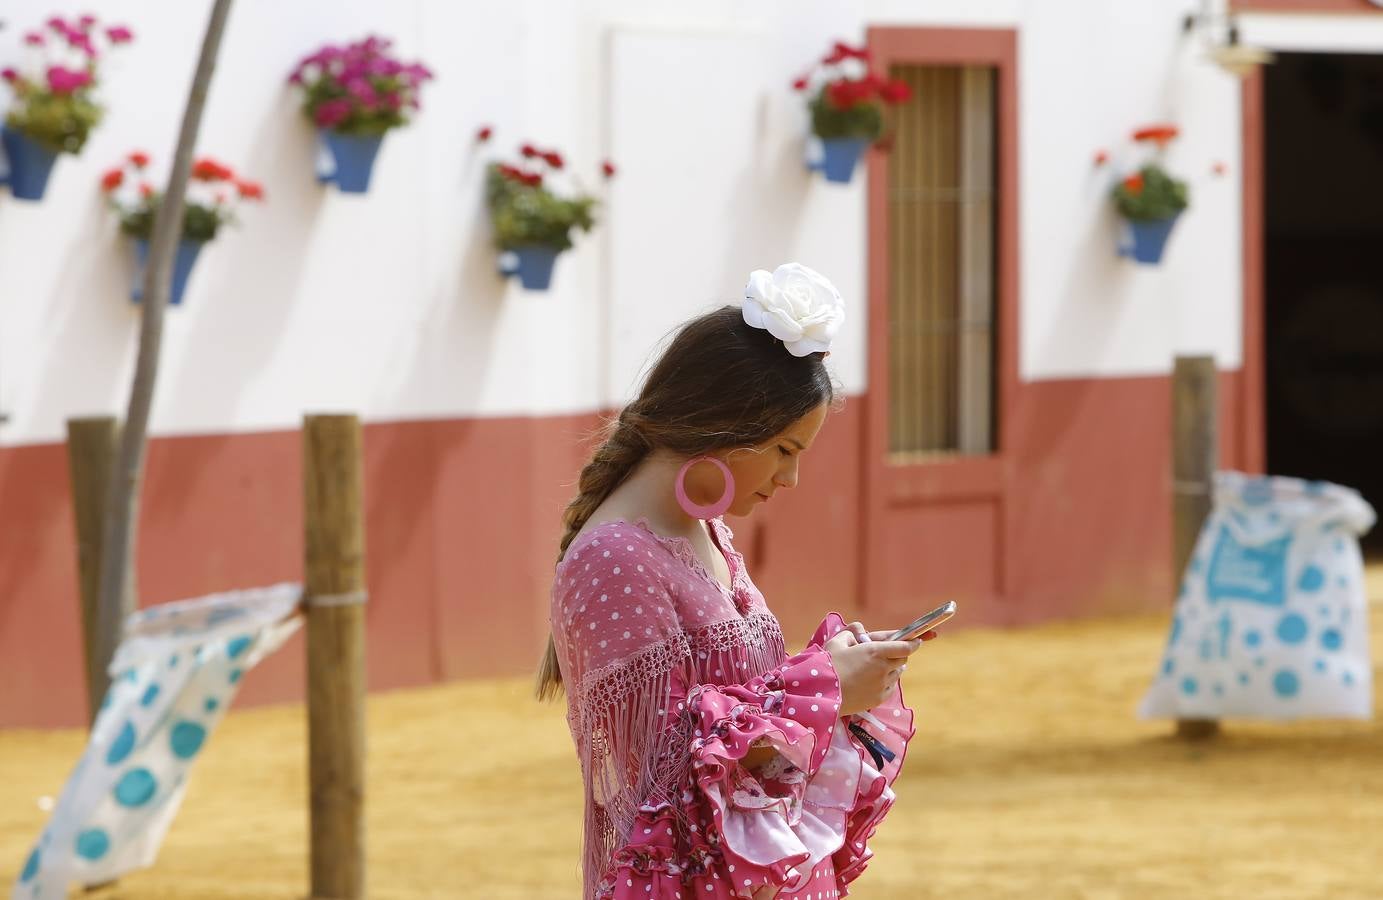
(895,649)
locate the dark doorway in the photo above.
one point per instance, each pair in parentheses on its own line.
(1323,278)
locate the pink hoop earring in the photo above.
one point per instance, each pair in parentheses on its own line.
(715,509)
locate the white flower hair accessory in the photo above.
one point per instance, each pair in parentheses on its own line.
(795,304)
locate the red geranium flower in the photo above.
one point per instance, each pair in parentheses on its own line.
(250,190)
(146,190)
(112,180)
(800,84)
(553,158)
(1101,157)
(842,94)
(895,92)
(1159,134)
(139,159)
(607,168)
(207,169)
(528,151)
(484,134)
(1134,183)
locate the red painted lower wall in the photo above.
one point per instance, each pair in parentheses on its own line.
(463,519)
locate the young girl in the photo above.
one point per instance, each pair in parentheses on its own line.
(715,766)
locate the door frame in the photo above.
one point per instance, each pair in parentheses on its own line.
(960,478)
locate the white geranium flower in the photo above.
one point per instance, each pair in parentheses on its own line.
(795,304)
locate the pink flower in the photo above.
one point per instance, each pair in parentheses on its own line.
(382,66)
(87,21)
(416,73)
(57,24)
(9,75)
(363,91)
(34,39)
(333,113)
(119,34)
(79,40)
(62,80)
(393,101)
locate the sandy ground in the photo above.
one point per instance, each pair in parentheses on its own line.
(1029,778)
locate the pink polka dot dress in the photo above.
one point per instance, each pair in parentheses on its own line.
(671,680)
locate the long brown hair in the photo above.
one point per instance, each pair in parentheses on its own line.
(719,384)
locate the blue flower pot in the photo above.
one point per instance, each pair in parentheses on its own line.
(1147,240)
(839,156)
(30,164)
(533,265)
(349,160)
(183,261)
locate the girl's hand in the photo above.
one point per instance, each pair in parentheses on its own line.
(867,671)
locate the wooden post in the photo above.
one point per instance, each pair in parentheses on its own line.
(335,594)
(1195,454)
(91,446)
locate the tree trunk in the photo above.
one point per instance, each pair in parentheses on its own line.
(117,587)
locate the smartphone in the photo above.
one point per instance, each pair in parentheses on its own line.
(914,630)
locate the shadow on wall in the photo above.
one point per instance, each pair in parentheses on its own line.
(772,188)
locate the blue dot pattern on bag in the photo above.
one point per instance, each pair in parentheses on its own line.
(30,868)
(1320,665)
(92,844)
(1291,629)
(235,675)
(1168,665)
(150,695)
(1252,638)
(211,704)
(1331,639)
(1188,685)
(1311,579)
(1285,683)
(223,614)
(237,646)
(186,739)
(122,746)
(136,788)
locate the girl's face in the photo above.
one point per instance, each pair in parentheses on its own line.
(759,471)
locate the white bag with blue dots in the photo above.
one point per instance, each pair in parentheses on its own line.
(1271,621)
(173,677)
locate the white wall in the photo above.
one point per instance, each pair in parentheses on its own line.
(387,304)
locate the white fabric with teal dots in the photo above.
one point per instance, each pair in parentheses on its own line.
(173,677)
(1272,618)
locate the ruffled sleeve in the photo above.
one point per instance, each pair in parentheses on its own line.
(669,804)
